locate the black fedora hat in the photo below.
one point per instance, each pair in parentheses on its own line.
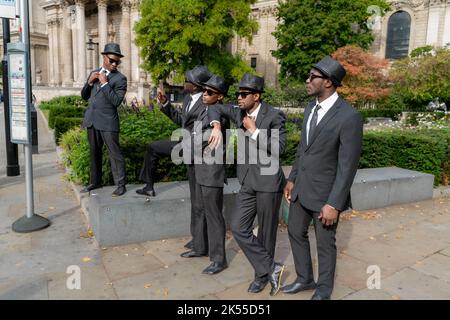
(112,48)
(252,82)
(332,69)
(217,83)
(198,75)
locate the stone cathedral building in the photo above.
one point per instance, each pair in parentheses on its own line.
(67,37)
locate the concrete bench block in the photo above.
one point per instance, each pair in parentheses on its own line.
(381,187)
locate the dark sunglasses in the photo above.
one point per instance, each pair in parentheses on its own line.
(313,76)
(210,92)
(243,94)
(112,61)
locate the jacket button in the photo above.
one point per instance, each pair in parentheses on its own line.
(303,168)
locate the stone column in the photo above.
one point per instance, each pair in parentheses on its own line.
(66,42)
(73,23)
(50,26)
(81,25)
(433,24)
(56,49)
(102,6)
(125,36)
(446,31)
(135,61)
(33,63)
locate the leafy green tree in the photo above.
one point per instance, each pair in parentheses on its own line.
(176,35)
(422,78)
(310,29)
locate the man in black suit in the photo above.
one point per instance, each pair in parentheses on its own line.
(263,131)
(105,89)
(192,107)
(318,187)
(210,177)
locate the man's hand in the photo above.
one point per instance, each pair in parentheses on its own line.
(102,77)
(93,77)
(161,96)
(249,123)
(288,190)
(328,215)
(216,136)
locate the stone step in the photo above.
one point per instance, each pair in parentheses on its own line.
(133,218)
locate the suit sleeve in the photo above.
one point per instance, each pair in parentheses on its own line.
(86,91)
(265,138)
(293,174)
(227,111)
(115,93)
(173,113)
(348,158)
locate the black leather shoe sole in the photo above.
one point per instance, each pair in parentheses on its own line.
(193,254)
(256,287)
(214,269)
(148,193)
(120,191)
(297,287)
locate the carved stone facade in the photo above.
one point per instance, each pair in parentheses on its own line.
(61,30)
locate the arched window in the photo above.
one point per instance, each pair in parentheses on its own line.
(397,43)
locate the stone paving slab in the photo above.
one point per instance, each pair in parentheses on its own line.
(412,284)
(436,265)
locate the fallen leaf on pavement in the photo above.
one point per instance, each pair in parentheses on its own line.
(86,259)
(148,285)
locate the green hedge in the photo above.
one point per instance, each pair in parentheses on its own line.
(63,124)
(421,150)
(137,131)
(64,111)
(63,101)
(394,114)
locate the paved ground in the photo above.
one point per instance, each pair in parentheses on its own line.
(409,243)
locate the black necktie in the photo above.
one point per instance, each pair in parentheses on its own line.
(189,100)
(313,123)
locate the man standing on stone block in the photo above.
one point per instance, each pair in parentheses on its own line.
(105,90)
(318,187)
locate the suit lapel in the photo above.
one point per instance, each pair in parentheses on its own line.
(261,114)
(328,116)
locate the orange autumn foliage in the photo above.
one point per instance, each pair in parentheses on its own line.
(367,80)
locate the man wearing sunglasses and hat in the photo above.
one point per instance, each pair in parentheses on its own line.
(105,90)
(185,118)
(210,179)
(260,194)
(318,188)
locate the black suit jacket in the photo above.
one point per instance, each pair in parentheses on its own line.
(212,174)
(104,101)
(324,170)
(252,174)
(182,117)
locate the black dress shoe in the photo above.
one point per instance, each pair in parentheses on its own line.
(215,267)
(319,296)
(257,285)
(189,245)
(146,192)
(275,278)
(119,191)
(90,187)
(297,287)
(193,254)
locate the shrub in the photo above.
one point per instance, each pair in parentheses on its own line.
(63,124)
(63,101)
(422,78)
(64,111)
(421,150)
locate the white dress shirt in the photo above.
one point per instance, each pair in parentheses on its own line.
(254,115)
(325,106)
(194,100)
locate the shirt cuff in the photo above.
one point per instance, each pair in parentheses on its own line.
(104,84)
(212,122)
(255,134)
(165,104)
